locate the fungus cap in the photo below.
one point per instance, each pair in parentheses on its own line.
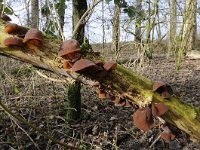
(6,17)
(109,66)
(102,94)
(69,46)
(158,109)
(10,27)
(167,134)
(13,41)
(34,34)
(142,119)
(157,85)
(82,65)
(67,64)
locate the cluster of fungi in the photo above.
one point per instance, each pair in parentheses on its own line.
(22,36)
(144,117)
(70,51)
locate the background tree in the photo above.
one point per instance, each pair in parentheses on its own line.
(61,13)
(34,13)
(172,28)
(116,30)
(188,34)
(138,21)
(79,8)
(74,96)
(189,24)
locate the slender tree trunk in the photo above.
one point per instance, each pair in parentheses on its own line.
(138,21)
(188,34)
(116,30)
(189,29)
(158,27)
(1,7)
(103,26)
(74,102)
(74,94)
(172,30)
(79,8)
(61,13)
(35,13)
(148,26)
(28,22)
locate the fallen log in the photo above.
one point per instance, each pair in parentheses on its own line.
(122,81)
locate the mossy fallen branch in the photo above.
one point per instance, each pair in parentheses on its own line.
(122,81)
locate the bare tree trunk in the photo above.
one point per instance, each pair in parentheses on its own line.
(1,7)
(35,13)
(138,21)
(172,29)
(116,30)
(61,13)
(150,25)
(79,8)
(103,26)
(189,29)
(188,34)
(74,94)
(74,102)
(28,22)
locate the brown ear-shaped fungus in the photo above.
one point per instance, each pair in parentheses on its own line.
(167,135)
(109,66)
(67,64)
(102,94)
(10,28)
(128,104)
(70,49)
(118,101)
(5,17)
(96,84)
(85,66)
(99,63)
(14,29)
(13,41)
(158,109)
(162,88)
(33,38)
(142,119)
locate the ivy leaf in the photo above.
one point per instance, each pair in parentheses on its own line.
(8,10)
(16,89)
(131,11)
(108,1)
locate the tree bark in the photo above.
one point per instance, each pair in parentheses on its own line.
(138,21)
(122,81)
(61,13)
(172,28)
(79,8)
(116,30)
(189,24)
(35,13)
(74,101)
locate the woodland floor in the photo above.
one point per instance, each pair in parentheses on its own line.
(103,125)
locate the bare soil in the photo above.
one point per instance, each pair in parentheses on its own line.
(103,125)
